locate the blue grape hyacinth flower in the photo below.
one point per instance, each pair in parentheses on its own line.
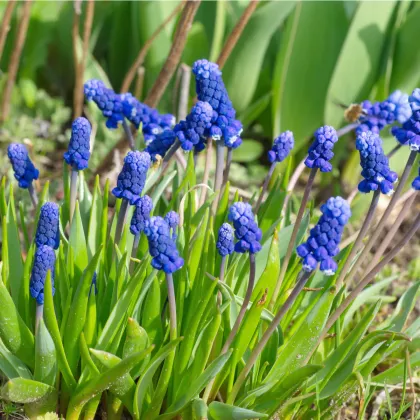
(47,231)
(78,153)
(24,170)
(246,229)
(107,101)
(402,110)
(153,123)
(321,150)
(375,164)
(44,260)
(132,177)
(211,88)
(194,129)
(224,244)
(172,219)
(161,144)
(141,215)
(281,148)
(162,247)
(324,239)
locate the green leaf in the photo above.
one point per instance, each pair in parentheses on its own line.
(14,333)
(254,110)
(295,350)
(11,366)
(159,189)
(25,391)
(25,298)
(77,315)
(102,382)
(51,323)
(45,358)
(196,386)
(405,75)
(221,411)
(243,67)
(152,314)
(95,233)
(77,242)
(359,58)
(314,34)
(250,151)
(395,375)
(146,379)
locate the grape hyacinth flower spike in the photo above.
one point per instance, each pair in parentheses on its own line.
(224,125)
(130,184)
(172,219)
(140,219)
(322,245)
(77,155)
(375,165)
(282,146)
(165,257)
(161,145)
(44,261)
(225,246)
(24,170)
(48,232)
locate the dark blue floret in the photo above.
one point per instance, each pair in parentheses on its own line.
(225,238)
(162,247)
(402,110)
(132,177)
(282,146)
(161,144)
(78,153)
(141,215)
(210,88)
(172,219)
(25,171)
(44,260)
(246,229)
(375,165)
(153,123)
(324,239)
(193,130)
(321,150)
(47,231)
(107,101)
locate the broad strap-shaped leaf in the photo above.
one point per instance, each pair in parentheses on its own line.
(45,357)
(11,366)
(221,411)
(21,390)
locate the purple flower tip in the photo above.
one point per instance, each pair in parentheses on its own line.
(44,260)
(225,238)
(282,146)
(321,150)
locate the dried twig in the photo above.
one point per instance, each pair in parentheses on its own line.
(129,77)
(15,58)
(180,38)
(5,24)
(138,89)
(80,65)
(236,33)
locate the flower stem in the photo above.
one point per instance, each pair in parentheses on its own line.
(265,185)
(172,306)
(73,192)
(378,228)
(222,269)
(239,319)
(227,168)
(366,280)
(134,251)
(122,215)
(207,167)
(292,241)
(359,240)
(393,151)
(390,235)
(302,280)
(218,176)
(33,195)
(346,129)
(129,135)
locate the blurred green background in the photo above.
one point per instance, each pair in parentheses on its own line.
(294,62)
